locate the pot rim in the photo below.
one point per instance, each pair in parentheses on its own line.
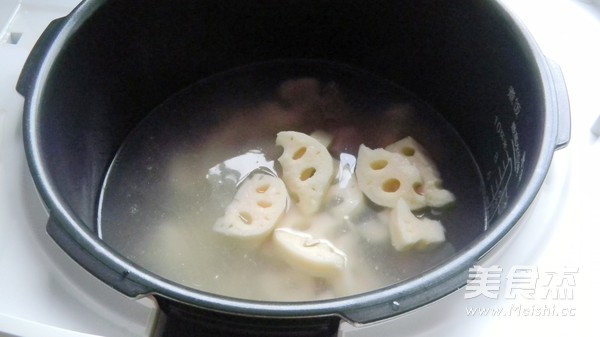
(362,308)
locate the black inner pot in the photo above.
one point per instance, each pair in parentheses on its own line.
(110,63)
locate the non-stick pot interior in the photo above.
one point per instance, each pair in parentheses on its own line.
(464,59)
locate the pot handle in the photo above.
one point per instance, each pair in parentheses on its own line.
(33,63)
(117,280)
(181,320)
(563,108)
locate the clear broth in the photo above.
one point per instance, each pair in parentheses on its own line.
(179,168)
